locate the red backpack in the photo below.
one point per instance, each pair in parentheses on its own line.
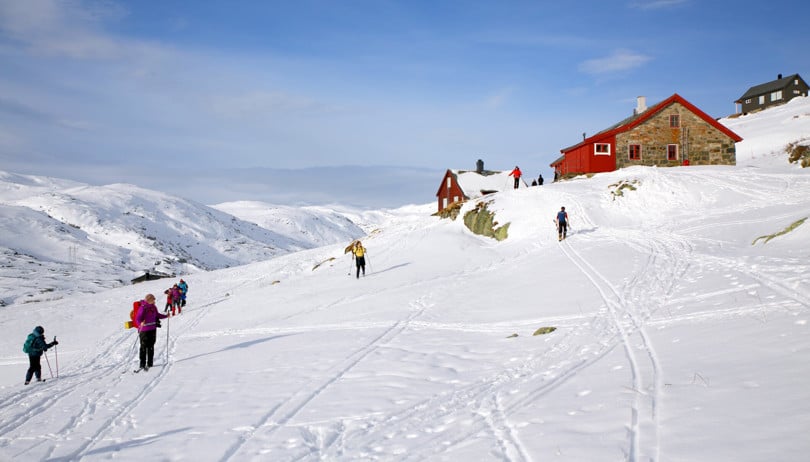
(133,322)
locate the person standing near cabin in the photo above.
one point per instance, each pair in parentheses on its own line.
(562,224)
(35,345)
(359,253)
(516,173)
(540,180)
(148,320)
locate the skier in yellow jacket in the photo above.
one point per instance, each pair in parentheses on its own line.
(359,253)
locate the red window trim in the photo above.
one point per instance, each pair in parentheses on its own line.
(630,152)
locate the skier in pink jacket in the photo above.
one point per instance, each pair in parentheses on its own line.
(148,318)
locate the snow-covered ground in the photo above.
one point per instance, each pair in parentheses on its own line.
(678,337)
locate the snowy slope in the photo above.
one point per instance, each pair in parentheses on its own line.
(71,237)
(311,226)
(765,134)
(677,338)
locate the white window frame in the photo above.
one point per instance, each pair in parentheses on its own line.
(596,150)
(762,99)
(677,152)
(676,119)
(776,96)
(444,202)
(449,182)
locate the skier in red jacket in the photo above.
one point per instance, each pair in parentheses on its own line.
(516,173)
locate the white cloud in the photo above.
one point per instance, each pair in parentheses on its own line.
(620,60)
(268,104)
(499,98)
(60,28)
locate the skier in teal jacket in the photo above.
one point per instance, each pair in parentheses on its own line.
(36,345)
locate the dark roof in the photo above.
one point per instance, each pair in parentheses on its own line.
(766,88)
(637,119)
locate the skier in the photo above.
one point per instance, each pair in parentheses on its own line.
(516,173)
(562,224)
(169,299)
(177,296)
(148,321)
(183,291)
(359,253)
(35,345)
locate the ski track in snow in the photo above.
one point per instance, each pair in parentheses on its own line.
(646,384)
(101,410)
(282,413)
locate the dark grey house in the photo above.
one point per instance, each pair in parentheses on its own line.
(772,93)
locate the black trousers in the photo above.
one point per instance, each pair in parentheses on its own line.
(562,228)
(147,352)
(361,263)
(34,367)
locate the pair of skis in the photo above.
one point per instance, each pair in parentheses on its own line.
(560,236)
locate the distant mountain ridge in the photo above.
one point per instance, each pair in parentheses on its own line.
(53,231)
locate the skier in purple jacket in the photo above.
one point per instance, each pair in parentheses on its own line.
(148,318)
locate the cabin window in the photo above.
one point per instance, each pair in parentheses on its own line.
(449,183)
(634,151)
(674,121)
(602,149)
(748,101)
(776,96)
(762,99)
(672,152)
(444,202)
(796,82)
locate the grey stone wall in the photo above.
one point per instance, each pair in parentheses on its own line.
(697,140)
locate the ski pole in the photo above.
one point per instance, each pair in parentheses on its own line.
(351,265)
(49,363)
(368,260)
(168,323)
(56,356)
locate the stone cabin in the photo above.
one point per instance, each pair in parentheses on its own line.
(670,133)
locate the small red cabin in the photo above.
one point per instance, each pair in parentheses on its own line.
(461,185)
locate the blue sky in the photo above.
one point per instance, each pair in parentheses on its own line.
(189,97)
